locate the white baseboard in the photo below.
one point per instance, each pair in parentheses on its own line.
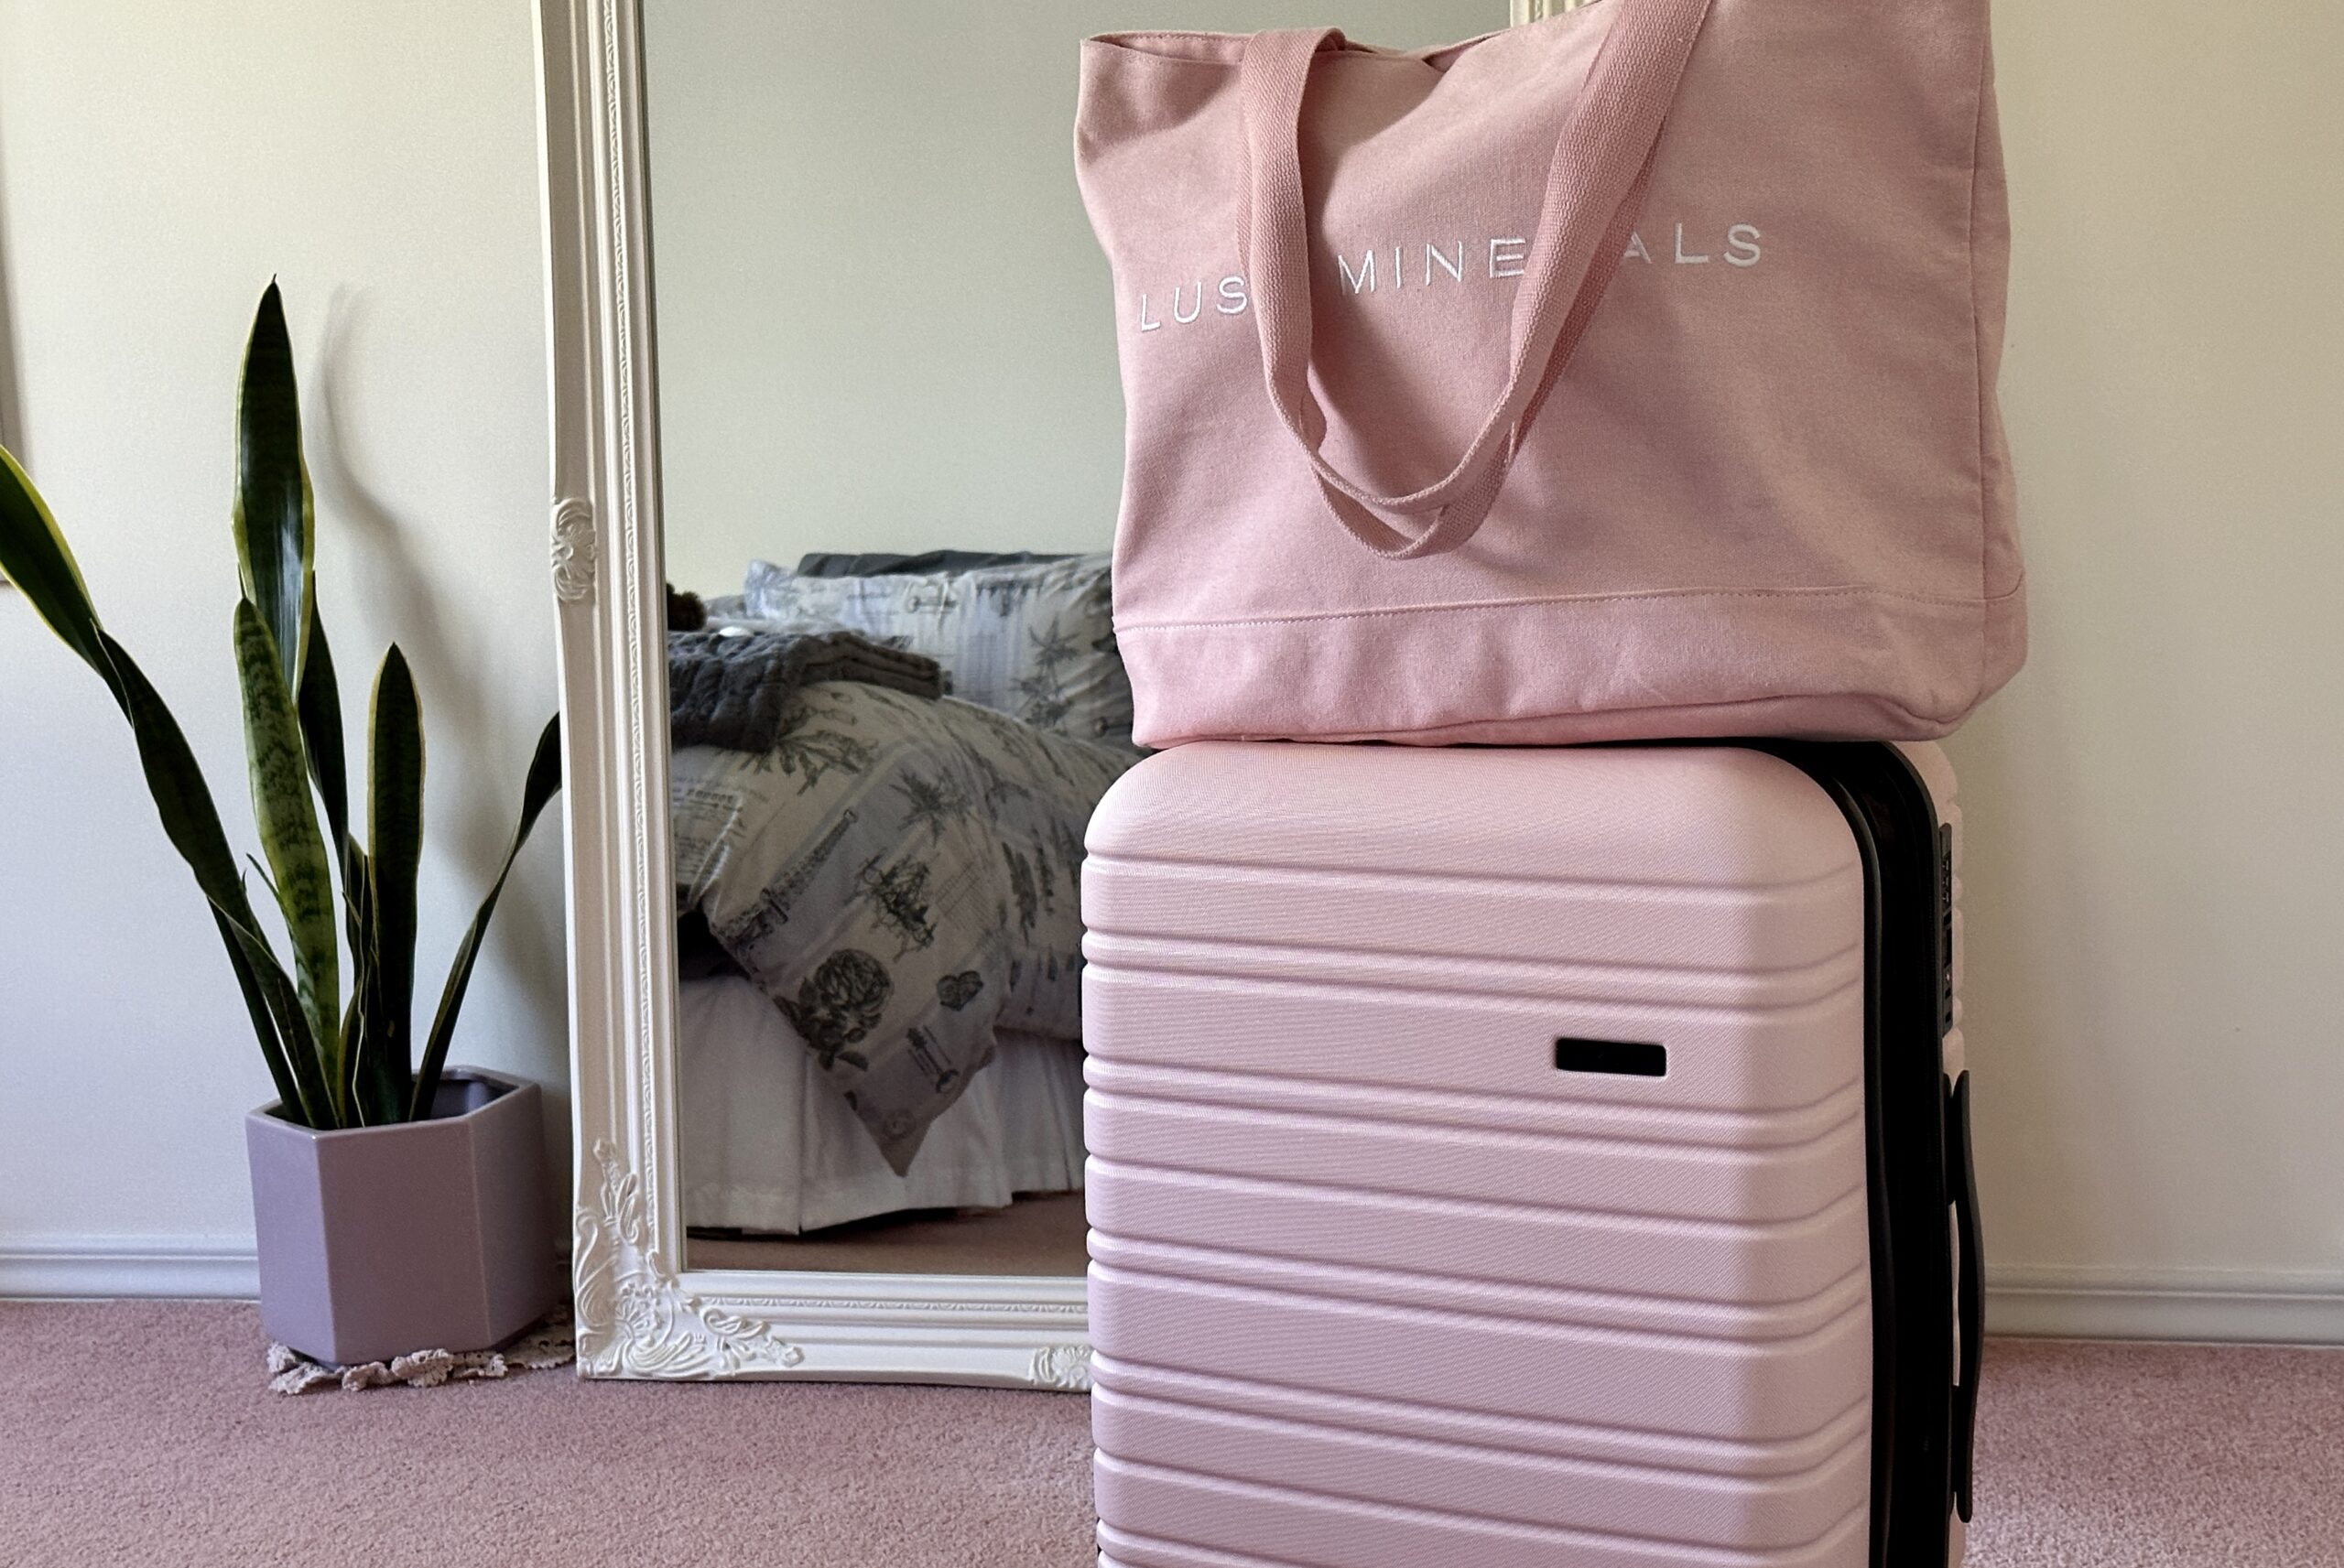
(68,1268)
(2213,1305)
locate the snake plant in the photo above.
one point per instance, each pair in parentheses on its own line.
(336,1031)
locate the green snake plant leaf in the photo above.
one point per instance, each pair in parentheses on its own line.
(395,852)
(318,698)
(287,820)
(276,526)
(34,556)
(358,927)
(358,1033)
(182,800)
(292,1095)
(543,782)
(191,822)
(318,701)
(282,1005)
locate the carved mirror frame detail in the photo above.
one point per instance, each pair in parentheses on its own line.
(640,1313)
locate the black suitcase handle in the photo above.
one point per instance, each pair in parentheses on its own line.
(1969,1307)
(1927,1286)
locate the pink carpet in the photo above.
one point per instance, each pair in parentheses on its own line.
(140,1433)
(2159,1456)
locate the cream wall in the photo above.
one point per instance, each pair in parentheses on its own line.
(157,163)
(2156,849)
(2156,881)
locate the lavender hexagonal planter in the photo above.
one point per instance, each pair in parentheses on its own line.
(429,1235)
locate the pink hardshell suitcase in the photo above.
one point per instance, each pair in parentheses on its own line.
(1512,1158)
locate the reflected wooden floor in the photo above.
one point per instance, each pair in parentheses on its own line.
(1032,1235)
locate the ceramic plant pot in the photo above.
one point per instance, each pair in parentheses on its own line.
(429,1235)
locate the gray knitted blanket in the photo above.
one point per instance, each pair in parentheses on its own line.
(732,688)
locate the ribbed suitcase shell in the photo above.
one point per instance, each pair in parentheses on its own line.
(1376,1281)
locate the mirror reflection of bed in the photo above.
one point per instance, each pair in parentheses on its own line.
(882,771)
(780,1173)
(882,326)
(879,1060)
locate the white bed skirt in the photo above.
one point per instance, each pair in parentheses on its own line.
(769,1146)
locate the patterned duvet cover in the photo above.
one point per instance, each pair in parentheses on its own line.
(900,875)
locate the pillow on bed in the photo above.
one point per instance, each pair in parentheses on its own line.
(1036,640)
(899,875)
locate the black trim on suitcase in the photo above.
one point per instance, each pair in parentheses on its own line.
(1962,1179)
(1923,1214)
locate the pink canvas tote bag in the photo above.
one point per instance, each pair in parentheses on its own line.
(1629,374)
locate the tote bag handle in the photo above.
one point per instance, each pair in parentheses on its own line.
(1595,189)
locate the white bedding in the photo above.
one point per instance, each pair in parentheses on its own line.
(768,1144)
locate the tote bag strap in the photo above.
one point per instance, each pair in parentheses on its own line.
(1594,192)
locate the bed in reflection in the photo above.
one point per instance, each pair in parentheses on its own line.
(882,771)
(771,1148)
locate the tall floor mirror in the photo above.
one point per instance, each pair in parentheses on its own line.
(837,452)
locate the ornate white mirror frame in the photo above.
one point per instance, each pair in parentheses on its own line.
(641,1313)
